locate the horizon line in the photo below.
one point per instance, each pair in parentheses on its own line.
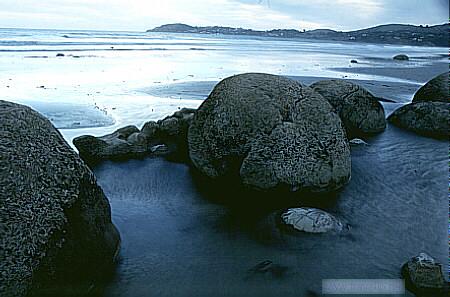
(262,30)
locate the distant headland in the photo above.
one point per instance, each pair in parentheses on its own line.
(436,35)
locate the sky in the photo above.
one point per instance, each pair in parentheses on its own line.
(140,15)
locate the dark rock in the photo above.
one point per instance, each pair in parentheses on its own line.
(353,61)
(167,137)
(424,118)
(150,129)
(60,55)
(56,234)
(268,267)
(359,110)
(126,142)
(434,90)
(401,57)
(270,131)
(423,275)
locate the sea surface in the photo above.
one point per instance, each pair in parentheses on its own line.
(182,238)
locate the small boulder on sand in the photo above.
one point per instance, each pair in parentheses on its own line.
(401,57)
(424,276)
(311,220)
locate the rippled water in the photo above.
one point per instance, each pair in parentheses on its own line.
(179,241)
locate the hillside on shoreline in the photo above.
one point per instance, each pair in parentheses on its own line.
(387,34)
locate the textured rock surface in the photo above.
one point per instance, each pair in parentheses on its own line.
(270,131)
(424,118)
(311,220)
(434,90)
(401,57)
(359,110)
(424,276)
(130,142)
(56,235)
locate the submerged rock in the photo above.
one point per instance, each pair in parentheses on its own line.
(270,131)
(401,57)
(56,235)
(435,90)
(358,142)
(167,137)
(424,118)
(268,267)
(311,220)
(359,110)
(424,276)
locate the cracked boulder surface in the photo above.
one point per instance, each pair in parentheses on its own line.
(429,119)
(56,234)
(270,131)
(359,110)
(166,137)
(435,90)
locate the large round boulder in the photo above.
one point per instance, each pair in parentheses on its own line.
(270,131)
(424,118)
(435,90)
(56,235)
(359,110)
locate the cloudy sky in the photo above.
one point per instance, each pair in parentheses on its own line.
(257,14)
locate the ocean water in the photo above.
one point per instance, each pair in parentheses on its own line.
(180,238)
(109,79)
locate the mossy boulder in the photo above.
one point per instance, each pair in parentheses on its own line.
(56,235)
(270,131)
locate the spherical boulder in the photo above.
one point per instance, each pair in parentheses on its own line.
(359,110)
(424,118)
(435,90)
(311,220)
(56,234)
(270,131)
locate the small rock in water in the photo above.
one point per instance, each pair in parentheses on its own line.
(269,267)
(401,57)
(311,220)
(424,275)
(159,149)
(357,142)
(354,61)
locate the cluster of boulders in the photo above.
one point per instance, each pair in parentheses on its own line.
(166,137)
(264,131)
(428,114)
(56,234)
(268,131)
